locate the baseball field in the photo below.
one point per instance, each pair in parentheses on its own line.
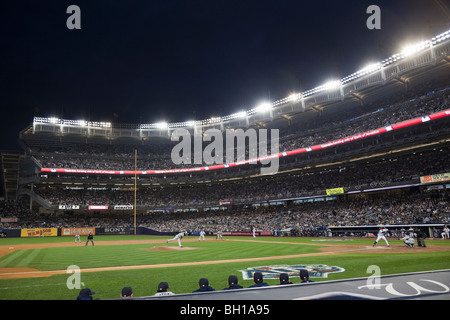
(56,268)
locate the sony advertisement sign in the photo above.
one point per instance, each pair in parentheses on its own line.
(112,230)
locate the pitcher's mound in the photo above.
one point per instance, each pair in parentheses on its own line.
(171,248)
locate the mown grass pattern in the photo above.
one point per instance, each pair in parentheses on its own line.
(108,284)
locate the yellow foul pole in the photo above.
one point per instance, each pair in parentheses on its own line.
(135,187)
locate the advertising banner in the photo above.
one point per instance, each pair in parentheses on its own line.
(95,207)
(113,230)
(74,231)
(68,207)
(335,191)
(123,207)
(435,178)
(39,232)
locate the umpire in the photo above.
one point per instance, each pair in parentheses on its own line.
(90,238)
(420,238)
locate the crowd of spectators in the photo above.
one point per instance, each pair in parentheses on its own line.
(308,219)
(364,175)
(417,102)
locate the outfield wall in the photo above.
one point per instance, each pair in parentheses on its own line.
(71,232)
(64,232)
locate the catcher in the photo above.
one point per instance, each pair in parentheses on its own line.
(409,241)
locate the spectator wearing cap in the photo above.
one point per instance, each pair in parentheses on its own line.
(127,292)
(163,290)
(86,294)
(304,276)
(284,279)
(233,283)
(203,286)
(259,280)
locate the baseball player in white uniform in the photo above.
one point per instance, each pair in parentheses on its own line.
(254,233)
(77,238)
(381,235)
(178,237)
(219,235)
(445,233)
(409,241)
(202,235)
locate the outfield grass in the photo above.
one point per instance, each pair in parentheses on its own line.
(184,279)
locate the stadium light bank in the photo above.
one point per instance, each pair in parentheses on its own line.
(268,107)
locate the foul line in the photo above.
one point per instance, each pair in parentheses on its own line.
(31,274)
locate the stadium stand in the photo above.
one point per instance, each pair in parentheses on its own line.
(375,150)
(372,152)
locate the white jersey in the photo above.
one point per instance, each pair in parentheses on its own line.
(180,235)
(382,235)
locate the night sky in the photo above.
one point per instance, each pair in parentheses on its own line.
(152,61)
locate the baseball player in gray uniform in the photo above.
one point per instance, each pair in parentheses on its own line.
(408,241)
(178,237)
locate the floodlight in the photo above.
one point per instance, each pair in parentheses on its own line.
(330,85)
(412,49)
(263,107)
(162,125)
(241,114)
(215,119)
(294,97)
(369,68)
